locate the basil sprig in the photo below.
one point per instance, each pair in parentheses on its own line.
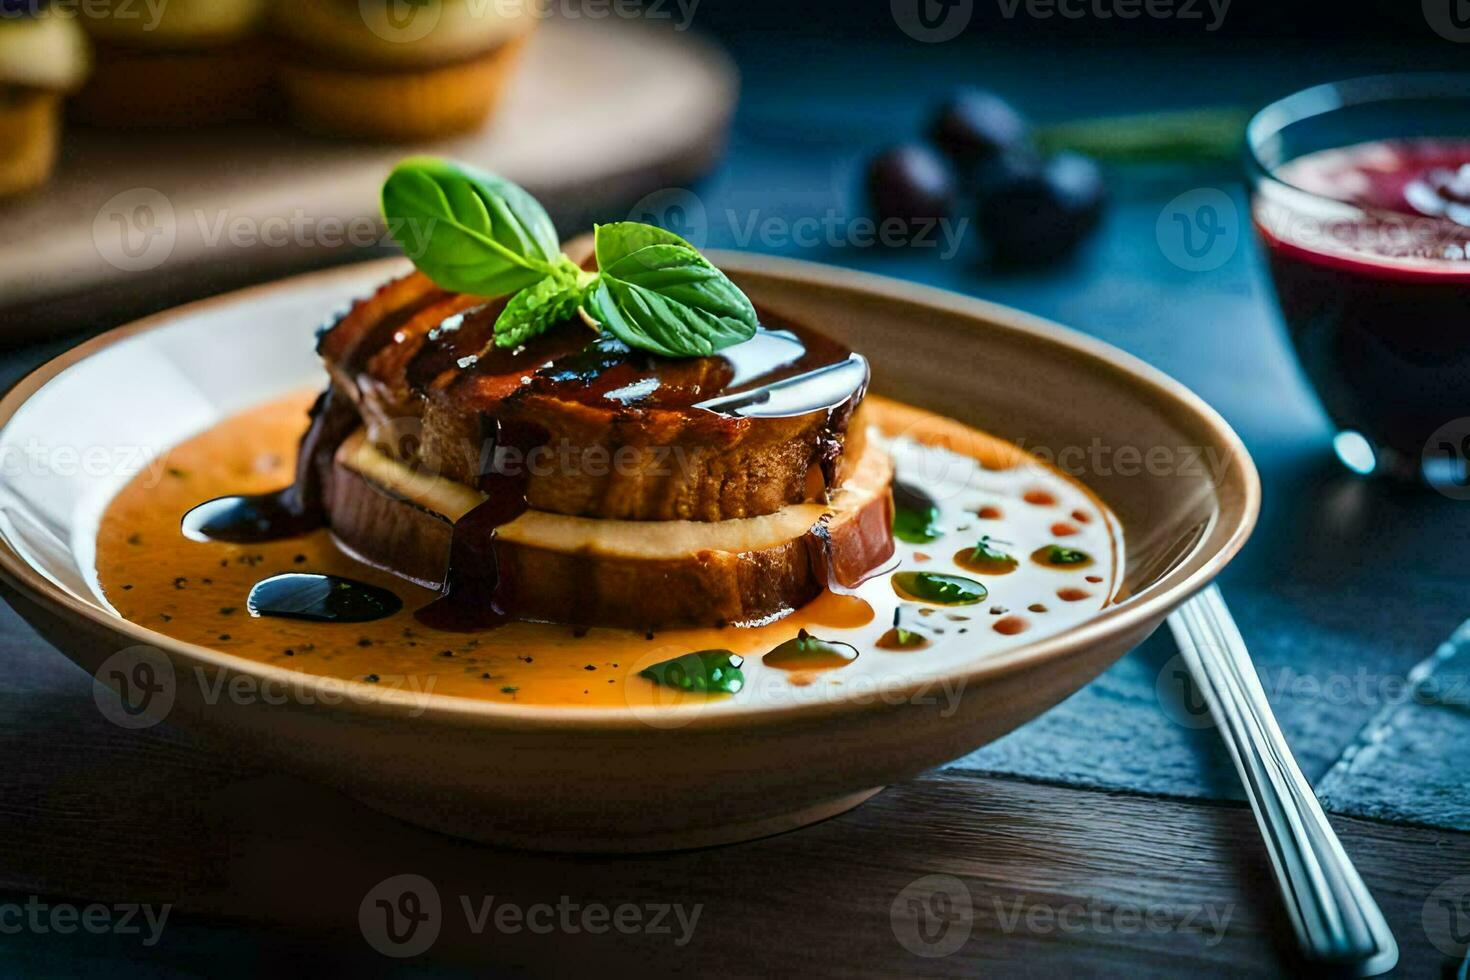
(656,292)
(705,671)
(469,231)
(473,232)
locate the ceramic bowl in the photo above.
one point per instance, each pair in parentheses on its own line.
(1176,476)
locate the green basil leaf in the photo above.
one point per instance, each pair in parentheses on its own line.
(1055,554)
(705,671)
(947,590)
(670,300)
(538,308)
(468,230)
(623,238)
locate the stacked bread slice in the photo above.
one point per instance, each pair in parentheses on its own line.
(624,489)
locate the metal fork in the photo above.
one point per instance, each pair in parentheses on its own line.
(1336,920)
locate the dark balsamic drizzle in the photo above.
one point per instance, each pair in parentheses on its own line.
(321,598)
(907,496)
(286,513)
(479,590)
(457,357)
(478,587)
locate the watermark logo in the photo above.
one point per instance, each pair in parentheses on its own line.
(1446,917)
(1100,459)
(675,209)
(933,916)
(136,230)
(1182,10)
(1101,918)
(1182,702)
(401,916)
(135,688)
(1199,230)
(148,11)
(932,21)
(1450,19)
(42,918)
(827,228)
(400,21)
(1179,697)
(1446,460)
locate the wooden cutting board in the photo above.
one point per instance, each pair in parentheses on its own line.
(600,114)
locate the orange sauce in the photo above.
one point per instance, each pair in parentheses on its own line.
(966,559)
(195,591)
(1011,625)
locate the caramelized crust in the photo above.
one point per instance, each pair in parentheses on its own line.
(598,430)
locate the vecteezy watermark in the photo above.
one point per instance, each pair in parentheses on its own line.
(1450,19)
(406,440)
(1446,917)
(402,917)
(683,212)
(936,21)
(1432,236)
(1024,914)
(149,13)
(933,916)
(1178,696)
(1199,230)
(35,458)
(1446,460)
(1367,689)
(407,21)
(1210,12)
(932,21)
(136,230)
(42,918)
(1101,459)
(139,229)
(137,687)
(1182,703)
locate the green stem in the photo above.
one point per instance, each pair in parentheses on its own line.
(1197,135)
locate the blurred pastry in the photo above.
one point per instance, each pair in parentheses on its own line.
(43,55)
(385,70)
(179,63)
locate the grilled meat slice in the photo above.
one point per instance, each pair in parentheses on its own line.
(598,429)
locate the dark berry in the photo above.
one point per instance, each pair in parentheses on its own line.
(911,183)
(1036,213)
(1005,170)
(974,126)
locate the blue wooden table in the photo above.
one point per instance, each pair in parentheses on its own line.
(1349,596)
(1347,585)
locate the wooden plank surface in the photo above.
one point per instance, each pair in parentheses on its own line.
(131,211)
(1058,879)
